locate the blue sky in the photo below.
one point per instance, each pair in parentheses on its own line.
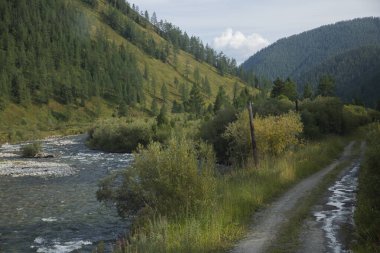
(241,27)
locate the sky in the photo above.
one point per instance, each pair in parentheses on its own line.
(240,28)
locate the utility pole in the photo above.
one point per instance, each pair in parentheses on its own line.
(253,140)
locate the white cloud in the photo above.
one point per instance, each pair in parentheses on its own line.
(238,45)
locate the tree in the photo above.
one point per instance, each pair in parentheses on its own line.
(287,88)
(326,86)
(162,118)
(307,91)
(290,90)
(221,100)
(197,76)
(184,92)
(195,102)
(278,87)
(154,107)
(206,86)
(164,92)
(153,19)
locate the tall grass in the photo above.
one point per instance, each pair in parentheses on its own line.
(239,193)
(367,215)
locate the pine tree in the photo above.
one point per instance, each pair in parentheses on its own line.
(164,92)
(195,102)
(154,107)
(221,100)
(307,91)
(197,76)
(326,86)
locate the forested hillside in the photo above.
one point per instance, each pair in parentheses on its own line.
(345,50)
(290,57)
(356,74)
(59,57)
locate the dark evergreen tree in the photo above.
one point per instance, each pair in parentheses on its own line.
(307,91)
(326,86)
(195,102)
(221,100)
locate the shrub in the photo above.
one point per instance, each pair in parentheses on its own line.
(171,180)
(212,130)
(325,113)
(273,106)
(355,116)
(274,134)
(31,150)
(116,136)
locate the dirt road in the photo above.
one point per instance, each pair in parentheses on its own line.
(330,225)
(266,222)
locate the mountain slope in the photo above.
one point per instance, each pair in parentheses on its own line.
(290,57)
(74,52)
(356,74)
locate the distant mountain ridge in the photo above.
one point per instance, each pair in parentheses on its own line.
(305,56)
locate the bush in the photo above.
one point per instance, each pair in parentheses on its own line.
(116,136)
(212,131)
(355,116)
(31,150)
(274,134)
(324,115)
(171,180)
(274,106)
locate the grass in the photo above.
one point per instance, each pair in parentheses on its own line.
(240,193)
(31,122)
(367,215)
(288,238)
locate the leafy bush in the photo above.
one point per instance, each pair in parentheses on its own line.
(273,106)
(355,116)
(171,180)
(213,129)
(274,134)
(31,150)
(324,115)
(116,136)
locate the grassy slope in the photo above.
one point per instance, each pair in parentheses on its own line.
(34,121)
(163,72)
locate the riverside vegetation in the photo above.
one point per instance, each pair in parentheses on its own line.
(184,202)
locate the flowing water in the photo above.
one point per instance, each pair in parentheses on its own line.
(336,218)
(49,205)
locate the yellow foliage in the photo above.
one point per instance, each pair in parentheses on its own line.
(274,134)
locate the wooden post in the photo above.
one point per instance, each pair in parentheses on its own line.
(253,140)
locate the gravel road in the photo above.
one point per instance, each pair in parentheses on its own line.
(266,222)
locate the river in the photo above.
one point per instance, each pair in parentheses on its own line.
(49,205)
